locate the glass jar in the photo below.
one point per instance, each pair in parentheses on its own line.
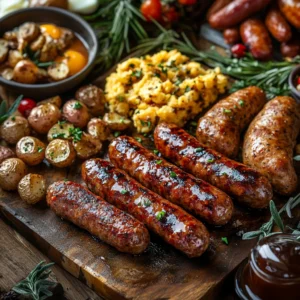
(272,270)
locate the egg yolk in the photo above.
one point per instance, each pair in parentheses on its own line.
(52,30)
(75,60)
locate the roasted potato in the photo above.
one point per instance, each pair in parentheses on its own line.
(31,150)
(61,130)
(56,3)
(116,121)
(43,117)
(28,32)
(88,146)
(7,73)
(25,71)
(14,56)
(98,128)
(49,51)
(38,43)
(58,71)
(13,129)
(76,113)
(11,35)
(12,170)
(67,36)
(56,100)
(5,153)
(32,188)
(3,50)
(93,97)
(60,153)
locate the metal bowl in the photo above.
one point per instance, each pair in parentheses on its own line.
(61,18)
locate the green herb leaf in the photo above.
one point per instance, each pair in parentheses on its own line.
(225,240)
(40,149)
(76,134)
(138,139)
(187,89)
(58,135)
(159,162)
(45,64)
(173,174)
(160,215)
(117,133)
(241,103)
(155,151)
(210,160)
(77,105)
(11,110)
(199,150)
(276,216)
(123,192)
(226,111)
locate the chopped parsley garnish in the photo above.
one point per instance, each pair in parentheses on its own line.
(137,73)
(187,89)
(77,105)
(159,162)
(225,240)
(75,133)
(224,174)
(120,98)
(58,135)
(60,123)
(160,215)
(211,160)
(226,111)
(163,69)
(13,118)
(123,192)
(199,149)
(155,151)
(117,133)
(51,154)
(40,149)
(122,120)
(25,149)
(66,179)
(241,103)
(173,174)
(178,81)
(146,202)
(138,139)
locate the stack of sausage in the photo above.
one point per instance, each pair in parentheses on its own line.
(144,189)
(237,20)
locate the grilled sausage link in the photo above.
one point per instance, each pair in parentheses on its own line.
(216,6)
(75,203)
(256,36)
(195,195)
(166,219)
(270,140)
(290,48)
(235,12)
(291,10)
(232,35)
(277,25)
(220,128)
(246,185)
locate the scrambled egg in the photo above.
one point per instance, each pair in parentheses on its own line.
(164,87)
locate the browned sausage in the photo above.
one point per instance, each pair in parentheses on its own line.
(290,48)
(216,6)
(245,184)
(221,127)
(270,140)
(277,25)
(236,12)
(232,35)
(166,219)
(255,35)
(195,195)
(291,10)
(75,203)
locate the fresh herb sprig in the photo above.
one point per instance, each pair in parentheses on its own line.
(36,284)
(4,113)
(266,228)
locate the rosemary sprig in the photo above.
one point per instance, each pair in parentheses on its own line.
(36,284)
(6,114)
(266,228)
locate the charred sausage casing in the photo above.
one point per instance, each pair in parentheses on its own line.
(245,184)
(75,203)
(235,12)
(220,128)
(195,195)
(270,140)
(291,10)
(166,219)
(256,37)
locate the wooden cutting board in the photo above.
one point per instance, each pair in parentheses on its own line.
(160,273)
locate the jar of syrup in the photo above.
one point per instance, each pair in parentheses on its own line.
(272,271)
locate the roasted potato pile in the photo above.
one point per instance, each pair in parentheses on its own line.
(34,53)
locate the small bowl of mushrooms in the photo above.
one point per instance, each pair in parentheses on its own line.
(45,51)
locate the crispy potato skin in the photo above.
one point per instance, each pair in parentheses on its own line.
(270,140)
(43,117)
(14,128)
(98,128)
(76,113)
(25,71)
(6,153)
(12,170)
(88,146)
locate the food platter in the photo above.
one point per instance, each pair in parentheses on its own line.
(161,271)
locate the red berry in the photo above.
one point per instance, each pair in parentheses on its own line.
(26,106)
(298,80)
(238,50)
(170,14)
(187,2)
(151,9)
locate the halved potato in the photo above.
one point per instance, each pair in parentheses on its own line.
(61,130)
(38,43)
(49,51)
(43,117)
(116,121)
(7,73)
(76,113)
(3,50)
(56,100)
(12,170)
(60,153)
(25,71)
(58,71)
(6,153)
(28,32)
(13,129)
(98,128)
(31,150)
(14,56)
(88,146)
(32,188)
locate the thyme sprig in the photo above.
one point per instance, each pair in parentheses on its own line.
(266,228)
(36,284)
(4,113)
